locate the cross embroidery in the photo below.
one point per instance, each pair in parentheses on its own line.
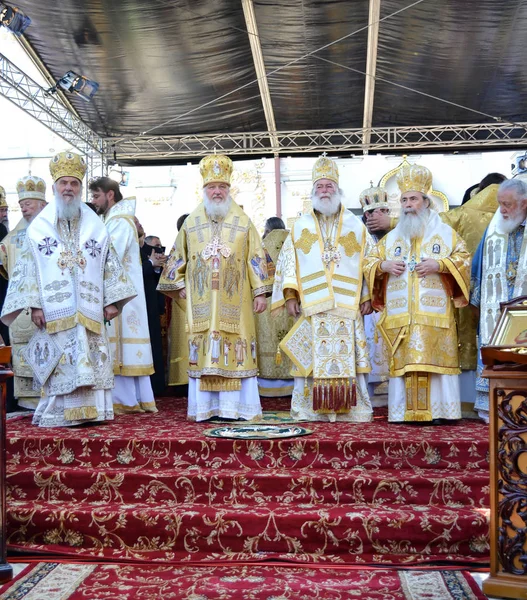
(234,227)
(198,228)
(93,248)
(47,246)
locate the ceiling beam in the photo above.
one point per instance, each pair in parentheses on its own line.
(371,68)
(259,66)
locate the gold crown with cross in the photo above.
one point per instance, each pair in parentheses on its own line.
(216,168)
(31,188)
(414,178)
(3,201)
(67,164)
(325,168)
(373,197)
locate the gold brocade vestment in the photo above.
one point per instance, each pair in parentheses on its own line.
(223,267)
(418,321)
(270,330)
(22,328)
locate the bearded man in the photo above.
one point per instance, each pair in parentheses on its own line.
(32,199)
(129,334)
(499,271)
(319,277)
(418,273)
(72,281)
(218,264)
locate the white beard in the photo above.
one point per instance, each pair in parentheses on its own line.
(413,226)
(216,210)
(68,211)
(327,208)
(510,224)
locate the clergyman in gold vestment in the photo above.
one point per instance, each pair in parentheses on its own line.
(274,379)
(418,274)
(32,199)
(218,264)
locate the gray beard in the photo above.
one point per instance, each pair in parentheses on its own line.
(413,226)
(216,210)
(510,224)
(327,208)
(70,210)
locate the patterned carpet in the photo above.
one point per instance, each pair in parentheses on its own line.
(48,581)
(153,488)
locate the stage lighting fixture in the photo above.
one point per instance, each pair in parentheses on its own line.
(77,84)
(14,19)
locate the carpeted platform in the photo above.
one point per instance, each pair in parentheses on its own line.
(47,581)
(153,488)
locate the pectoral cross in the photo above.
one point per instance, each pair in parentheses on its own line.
(215,247)
(331,254)
(412,264)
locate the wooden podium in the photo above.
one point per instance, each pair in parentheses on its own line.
(6,571)
(506,367)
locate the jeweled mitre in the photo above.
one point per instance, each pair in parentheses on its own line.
(31,187)
(216,168)
(67,164)
(373,197)
(415,178)
(325,168)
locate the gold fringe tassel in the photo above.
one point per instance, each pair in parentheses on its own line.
(229,327)
(198,326)
(214,383)
(80,413)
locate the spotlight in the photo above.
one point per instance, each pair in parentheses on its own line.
(14,19)
(76,84)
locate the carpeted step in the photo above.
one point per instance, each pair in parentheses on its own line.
(352,534)
(337,446)
(256,488)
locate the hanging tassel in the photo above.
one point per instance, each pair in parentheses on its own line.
(354,393)
(306,389)
(316,397)
(278,357)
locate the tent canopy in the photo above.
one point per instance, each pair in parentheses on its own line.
(187,67)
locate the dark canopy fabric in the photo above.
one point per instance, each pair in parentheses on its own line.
(185,66)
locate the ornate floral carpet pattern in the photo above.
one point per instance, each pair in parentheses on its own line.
(48,581)
(151,487)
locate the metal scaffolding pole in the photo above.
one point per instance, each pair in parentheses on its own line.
(28,95)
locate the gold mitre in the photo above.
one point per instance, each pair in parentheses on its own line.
(216,168)
(67,164)
(325,168)
(3,201)
(31,188)
(414,178)
(373,197)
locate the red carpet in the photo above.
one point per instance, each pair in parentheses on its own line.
(152,487)
(257,582)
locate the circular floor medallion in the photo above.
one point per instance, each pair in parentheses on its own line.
(257,432)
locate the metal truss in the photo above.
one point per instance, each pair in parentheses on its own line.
(28,95)
(382,139)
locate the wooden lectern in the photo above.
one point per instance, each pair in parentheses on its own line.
(6,571)
(506,367)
